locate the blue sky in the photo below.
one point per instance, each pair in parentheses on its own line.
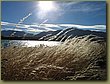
(29,15)
(85,13)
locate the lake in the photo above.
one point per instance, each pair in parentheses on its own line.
(28,43)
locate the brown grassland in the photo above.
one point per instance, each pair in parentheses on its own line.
(79,58)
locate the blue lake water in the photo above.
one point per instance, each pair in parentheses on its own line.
(28,43)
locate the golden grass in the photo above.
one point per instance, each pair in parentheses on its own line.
(80,58)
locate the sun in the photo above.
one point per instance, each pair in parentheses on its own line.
(46,6)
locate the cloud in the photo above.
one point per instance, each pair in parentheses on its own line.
(67,7)
(51,25)
(101,28)
(6,28)
(13,25)
(48,27)
(85,6)
(24,27)
(70,6)
(83,26)
(7,24)
(32,30)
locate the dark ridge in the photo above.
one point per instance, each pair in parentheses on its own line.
(51,35)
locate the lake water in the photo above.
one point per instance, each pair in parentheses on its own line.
(28,43)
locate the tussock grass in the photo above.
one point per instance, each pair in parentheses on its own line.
(79,58)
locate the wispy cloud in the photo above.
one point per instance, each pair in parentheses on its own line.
(64,7)
(83,26)
(7,23)
(73,7)
(85,6)
(47,27)
(6,29)
(25,27)
(13,25)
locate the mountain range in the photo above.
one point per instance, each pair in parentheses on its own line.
(58,35)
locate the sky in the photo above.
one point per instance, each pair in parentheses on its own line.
(32,14)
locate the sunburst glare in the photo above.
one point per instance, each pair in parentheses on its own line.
(46,6)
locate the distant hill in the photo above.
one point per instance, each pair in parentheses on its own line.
(58,35)
(8,33)
(67,33)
